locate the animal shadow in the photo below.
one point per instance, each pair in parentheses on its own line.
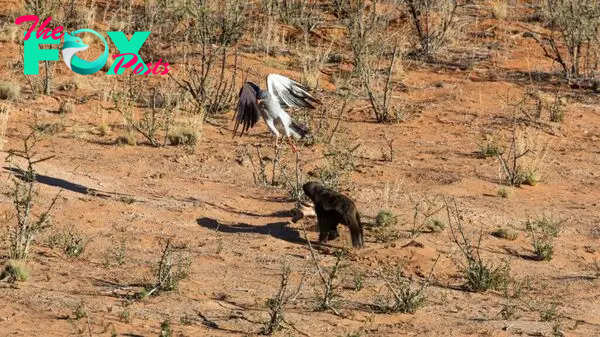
(279,230)
(64,184)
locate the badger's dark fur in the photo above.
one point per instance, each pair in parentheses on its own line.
(334,208)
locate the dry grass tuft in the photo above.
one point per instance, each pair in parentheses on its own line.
(183,135)
(499,9)
(4,115)
(66,107)
(506,233)
(8,33)
(9,90)
(13,271)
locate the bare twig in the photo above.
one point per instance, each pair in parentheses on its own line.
(390,144)
(23,194)
(339,119)
(327,281)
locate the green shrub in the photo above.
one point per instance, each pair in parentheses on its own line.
(384,229)
(543,231)
(183,136)
(385,218)
(503,192)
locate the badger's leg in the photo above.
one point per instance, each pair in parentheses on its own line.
(332,235)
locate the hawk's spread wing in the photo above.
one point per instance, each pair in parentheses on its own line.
(247,112)
(290,93)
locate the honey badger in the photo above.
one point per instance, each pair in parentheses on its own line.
(331,208)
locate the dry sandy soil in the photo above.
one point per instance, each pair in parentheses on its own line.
(237,233)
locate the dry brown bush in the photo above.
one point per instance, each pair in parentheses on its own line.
(572,40)
(434,22)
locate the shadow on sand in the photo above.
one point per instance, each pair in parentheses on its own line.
(64,184)
(278,230)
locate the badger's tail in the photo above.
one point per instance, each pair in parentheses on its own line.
(298,129)
(356,229)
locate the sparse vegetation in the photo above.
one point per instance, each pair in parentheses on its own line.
(327,298)
(513,293)
(104,128)
(543,231)
(70,85)
(596,269)
(489,148)
(80,312)
(543,250)
(499,9)
(431,35)
(116,252)
(480,276)
(385,218)
(405,297)
(22,234)
(4,115)
(13,271)
(187,319)
(557,110)
(424,212)
(435,226)
(8,33)
(341,161)
(508,312)
(71,241)
(549,312)
(9,90)
(66,107)
(125,316)
(126,199)
(273,171)
(157,117)
(358,281)
(366,28)
(523,161)
(573,39)
(276,304)
(259,169)
(506,234)
(183,136)
(220,24)
(385,229)
(525,157)
(165,329)
(516,289)
(503,192)
(172,267)
(41,8)
(74,243)
(128,139)
(48,128)
(389,155)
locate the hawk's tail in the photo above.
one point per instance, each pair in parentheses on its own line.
(299,130)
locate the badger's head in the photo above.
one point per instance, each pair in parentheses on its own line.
(312,188)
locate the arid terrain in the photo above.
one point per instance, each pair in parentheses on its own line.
(190,234)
